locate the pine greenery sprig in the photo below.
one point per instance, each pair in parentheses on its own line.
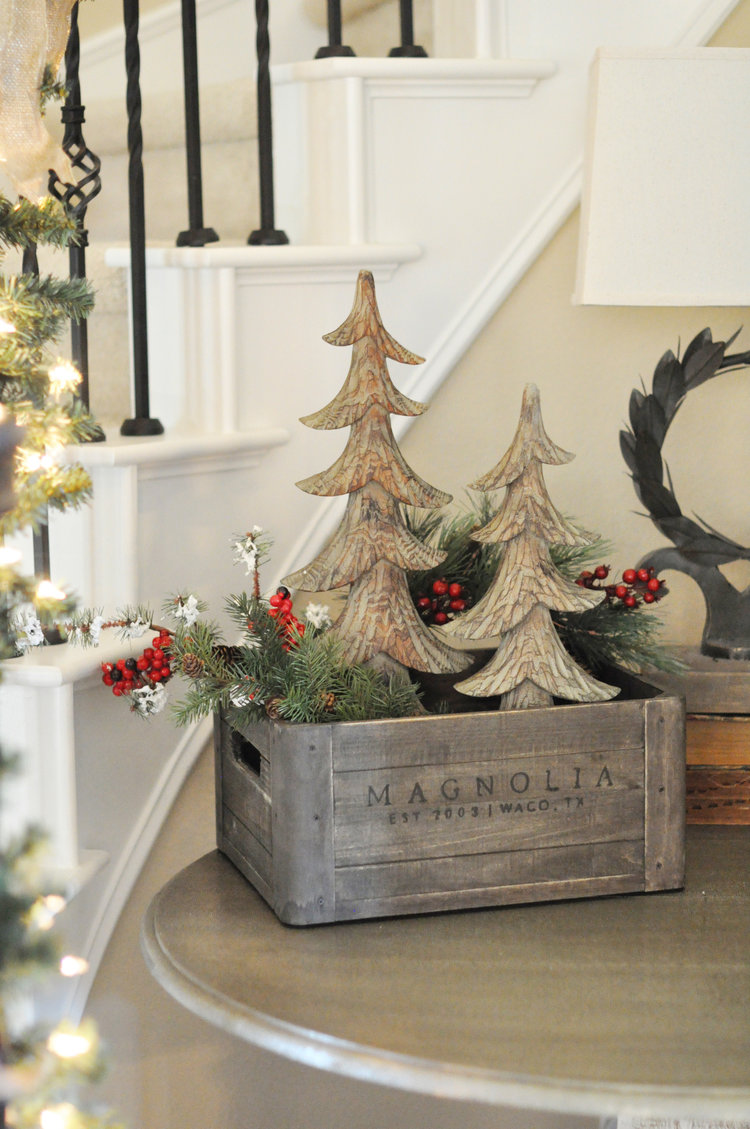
(39,306)
(613,635)
(470,563)
(294,674)
(607,635)
(24,224)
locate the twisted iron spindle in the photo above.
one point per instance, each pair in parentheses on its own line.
(40,535)
(408,49)
(77,197)
(197,235)
(335,46)
(141,424)
(267,234)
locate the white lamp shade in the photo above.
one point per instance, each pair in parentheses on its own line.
(665,211)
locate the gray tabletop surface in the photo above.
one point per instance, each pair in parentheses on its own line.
(629,1004)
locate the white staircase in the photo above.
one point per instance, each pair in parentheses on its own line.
(445,176)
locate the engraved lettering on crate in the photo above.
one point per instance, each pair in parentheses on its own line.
(493,870)
(519,804)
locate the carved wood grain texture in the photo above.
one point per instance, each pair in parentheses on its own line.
(372,529)
(525,578)
(530,444)
(530,666)
(372,455)
(526,510)
(364,321)
(367,383)
(532,651)
(379,617)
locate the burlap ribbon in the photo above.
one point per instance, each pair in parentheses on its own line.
(33,35)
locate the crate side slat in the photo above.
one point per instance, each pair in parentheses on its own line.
(219,745)
(596,811)
(245,797)
(248,854)
(462,738)
(499,868)
(665,794)
(490,897)
(302,824)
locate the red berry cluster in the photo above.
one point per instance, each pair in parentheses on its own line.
(446,599)
(290,627)
(636,585)
(151,666)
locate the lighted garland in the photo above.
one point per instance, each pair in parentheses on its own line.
(651,415)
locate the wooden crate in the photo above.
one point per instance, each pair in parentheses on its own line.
(718,768)
(369,819)
(717,699)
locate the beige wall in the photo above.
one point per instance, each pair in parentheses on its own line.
(585,362)
(101,15)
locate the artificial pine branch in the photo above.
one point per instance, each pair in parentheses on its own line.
(40,304)
(24,224)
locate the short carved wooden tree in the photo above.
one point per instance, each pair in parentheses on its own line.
(372,547)
(531,664)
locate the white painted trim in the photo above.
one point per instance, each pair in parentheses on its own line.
(108,45)
(397,70)
(71,879)
(709,21)
(133,856)
(119,451)
(289,263)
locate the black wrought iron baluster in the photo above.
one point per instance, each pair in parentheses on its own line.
(77,197)
(267,233)
(40,536)
(197,235)
(141,424)
(408,48)
(335,46)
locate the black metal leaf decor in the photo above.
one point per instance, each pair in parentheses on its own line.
(699,548)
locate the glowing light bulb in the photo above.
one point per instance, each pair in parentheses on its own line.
(55,903)
(9,557)
(68,1044)
(56,1117)
(64,377)
(73,966)
(48,591)
(31,461)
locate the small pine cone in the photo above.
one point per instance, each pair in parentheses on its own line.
(225,653)
(329,701)
(272,707)
(192,666)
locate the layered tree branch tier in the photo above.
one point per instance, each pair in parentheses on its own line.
(530,666)
(372,549)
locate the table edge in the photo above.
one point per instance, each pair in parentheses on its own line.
(424,1076)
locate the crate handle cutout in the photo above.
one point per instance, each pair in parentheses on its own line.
(245,753)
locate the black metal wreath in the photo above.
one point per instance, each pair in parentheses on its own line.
(700,548)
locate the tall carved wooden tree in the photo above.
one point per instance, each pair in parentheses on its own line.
(372,547)
(531,664)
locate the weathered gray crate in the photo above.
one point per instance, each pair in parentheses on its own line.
(369,819)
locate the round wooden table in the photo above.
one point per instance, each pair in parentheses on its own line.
(635,1004)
